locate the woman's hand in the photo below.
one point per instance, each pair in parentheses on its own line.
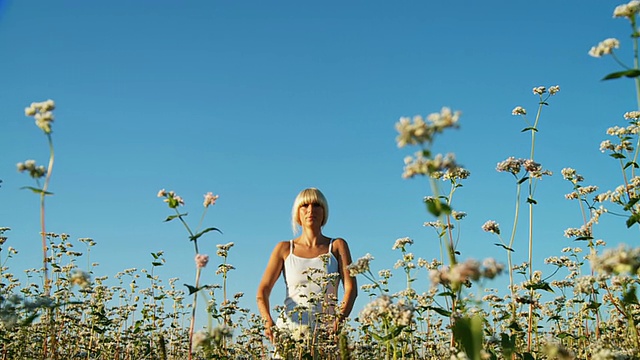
(268,331)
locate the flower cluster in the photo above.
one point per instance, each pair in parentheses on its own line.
(627,10)
(201,260)
(223,250)
(513,165)
(491,226)
(171,198)
(622,260)
(383,309)
(360,266)
(540,90)
(420,131)
(35,172)
(439,167)
(210,199)
(401,243)
(470,270)
(605,47)
(571,175)
(42,113)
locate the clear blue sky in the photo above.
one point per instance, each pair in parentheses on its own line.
(256,100)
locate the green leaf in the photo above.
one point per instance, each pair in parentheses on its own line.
(633,219)
(440,311)
(539,286)
(531,201)
(631,163)
(196,236)
(630,204)
(156,263)
(617,156)
(629,296)
(626,73)
(523,180)
(528,356)
(36,190)
(192,289)
(504,246)
(529,129)
(594,305)
(583,238)
(468,332)
(437,207)
(171,217)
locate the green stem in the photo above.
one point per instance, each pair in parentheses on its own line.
(47,285)
(193,312)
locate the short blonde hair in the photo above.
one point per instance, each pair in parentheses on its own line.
(308,196)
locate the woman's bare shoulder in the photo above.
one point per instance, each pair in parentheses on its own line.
(340,243)
(282,248)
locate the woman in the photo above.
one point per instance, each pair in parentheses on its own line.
(298,259)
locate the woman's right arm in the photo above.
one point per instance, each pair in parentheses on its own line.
(269,278)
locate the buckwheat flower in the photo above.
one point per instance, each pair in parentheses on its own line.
(632,115)
(518,110)
(511,165)
(605,47)
(627,10)
(458,215)
(491,268)
(179,199)
(200,338)
(554,89)
(224,268)
(539,90)
(445,119)
(491,226)
(80,278)
(401,243)
(606,145)
(360,266)
(162,193)
(201,260)
(209,199)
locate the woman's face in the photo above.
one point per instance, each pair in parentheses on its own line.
(311,214)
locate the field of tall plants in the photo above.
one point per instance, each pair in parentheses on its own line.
(448,308)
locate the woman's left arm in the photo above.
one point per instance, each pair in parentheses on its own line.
(349,282)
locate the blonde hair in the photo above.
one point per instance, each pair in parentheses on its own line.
(308,196)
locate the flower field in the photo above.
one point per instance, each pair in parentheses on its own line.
(447,308)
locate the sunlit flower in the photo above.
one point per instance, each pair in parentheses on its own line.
(511,165)
(627,10)
(539,90)
(360,266)
(35,172)
(518,110)
(605,47)
(209,199)
(401,243)
(162,193)
(42,113)
(80,278)
(201,260)
(554,89)
(491,226)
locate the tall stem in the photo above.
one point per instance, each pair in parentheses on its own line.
(47,285)
(193,312)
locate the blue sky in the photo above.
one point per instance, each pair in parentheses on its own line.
(256,100)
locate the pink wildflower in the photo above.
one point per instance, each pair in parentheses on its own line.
(202,260)
(209,199)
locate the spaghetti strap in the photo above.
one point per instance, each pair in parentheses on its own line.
(330,243)
(290,246)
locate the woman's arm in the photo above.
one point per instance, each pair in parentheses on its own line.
(349,282)
(269,278)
